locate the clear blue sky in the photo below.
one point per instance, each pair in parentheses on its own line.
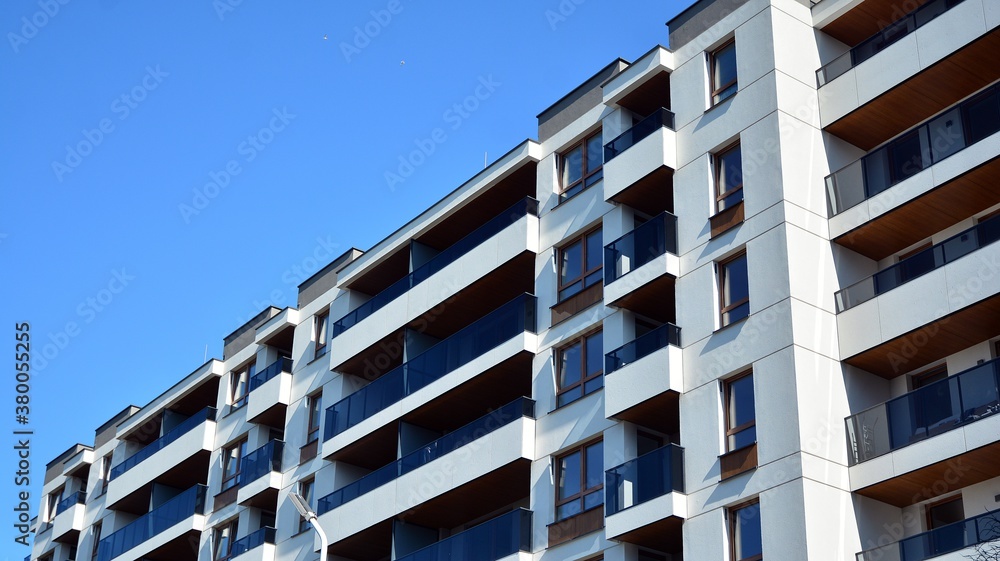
(120,119)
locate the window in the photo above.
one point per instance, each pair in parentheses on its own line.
(734,289)
(741,418)
(945,512)
(97,540)
(306,489)
(928,377)
(225,535)
(580,368)
(722,69)
(239,382)
(231,458)
(105,473)
(580,480)
(320,333)
(728,177)
(744,532)
(55,497)
(313,402)
(580,264)
(580,166)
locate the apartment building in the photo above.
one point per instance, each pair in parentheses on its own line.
(739,300)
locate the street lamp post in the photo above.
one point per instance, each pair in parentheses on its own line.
(307,512)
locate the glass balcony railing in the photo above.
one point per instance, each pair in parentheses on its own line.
(252,541)
(487,333)
(640,246)
(495,539)
(946,539)
(261,462)
(920,264)
(527,206)
(77,498)
(644,345)
(521,407)
(929,411)
(177,509)
(881,40)
(283,364)
(645,478)
(915,150)
(658,119)
(186,426)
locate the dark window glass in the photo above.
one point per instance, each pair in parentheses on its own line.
(582,166)
(728,177)
(580,264)
(723,72)
(744,531)
(734,289)
(580,368)
(741,423)
(580,480)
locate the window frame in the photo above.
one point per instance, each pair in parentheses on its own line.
(567,192)
(718,177)
(716,90)
(96,532)
(105,475)
(301,488)
(314,411)
(731,431)
(230,480)
(732,514)
(722,273)
(584,377)
(321,333)
(930,506)
(249,369)
(583,492)
(586,272)
(217,533)
(52,504)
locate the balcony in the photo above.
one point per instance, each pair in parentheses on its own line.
(883,39)
(920,264)
(472,342)
(258,545)
(899,449)
(647,147)
(432,486)
(911,74)
(951,291)
(940,541)
(644,501)
(491,229)
(160,532)
(641,265)
(940,407)
(260,475)
(931,142)
(638,372)
(68,521)
(658,119)
(493,540)
(522,407)
(189,424)
(269,392)
(182,451)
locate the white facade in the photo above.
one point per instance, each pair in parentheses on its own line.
(791,357)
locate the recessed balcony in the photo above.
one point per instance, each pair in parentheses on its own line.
(651,144)
(915,75)
(939,542)
(68,521)
(477,343)
(496,242)
(928,178)
(950,292)
(182,451)
(489,459)
(269,392)
(260,475)
(640,267)
(641,370)
(162,533)
(645,504)
(940,438)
